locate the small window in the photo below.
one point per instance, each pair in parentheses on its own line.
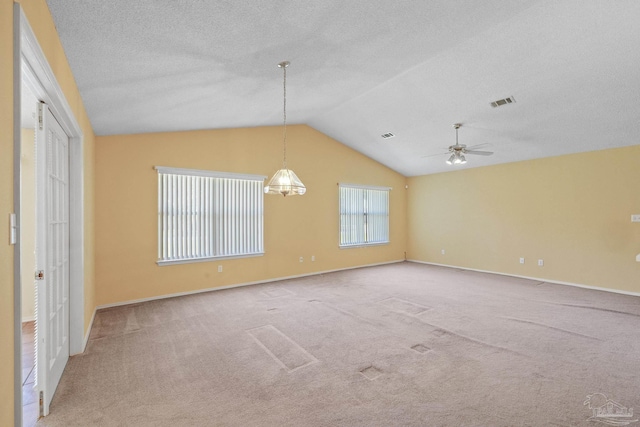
(364,215)
(204,215)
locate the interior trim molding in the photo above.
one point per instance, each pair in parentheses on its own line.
(39,77)
(86,336)
(219,288)
(16,209)
(555,282)
(36,61)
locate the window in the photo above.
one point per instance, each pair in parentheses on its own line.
(204,215)
(364,215)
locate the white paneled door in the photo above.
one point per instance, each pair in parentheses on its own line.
(52,254)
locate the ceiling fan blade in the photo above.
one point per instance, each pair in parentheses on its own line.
(473,147)
(434,155)
(479,153)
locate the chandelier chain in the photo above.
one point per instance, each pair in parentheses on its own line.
(284,119)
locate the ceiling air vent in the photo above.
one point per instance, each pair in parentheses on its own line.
(387,135)
(501,102)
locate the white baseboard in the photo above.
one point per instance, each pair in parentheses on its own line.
(86,335)
(219,288)
(556,282)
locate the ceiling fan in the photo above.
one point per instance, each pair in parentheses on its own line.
(458,150)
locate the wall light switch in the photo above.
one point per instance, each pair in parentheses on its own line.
(540,263)
(635,218)
(13,227)
(442,252)
(219,269)
(521,260)
(301,259)
(638,258)
(313,257)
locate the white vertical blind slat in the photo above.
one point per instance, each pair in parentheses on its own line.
(180,215)
(160,216)
(174,217)
(226,221)
(187,216)
(208,219)
(240,213)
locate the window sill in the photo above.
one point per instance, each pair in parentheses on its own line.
(363,245)
(163,263)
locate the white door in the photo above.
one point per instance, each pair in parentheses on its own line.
(52,254)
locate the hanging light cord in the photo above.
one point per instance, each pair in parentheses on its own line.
(284,65)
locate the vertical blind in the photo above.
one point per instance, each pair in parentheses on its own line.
(364,215)
(204,215)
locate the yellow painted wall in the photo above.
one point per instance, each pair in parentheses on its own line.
(573,211)
(6,207)
(127,208)
(28,222)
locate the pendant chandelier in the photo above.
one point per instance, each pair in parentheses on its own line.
(285,181)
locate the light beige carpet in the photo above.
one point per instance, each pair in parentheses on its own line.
(397,345)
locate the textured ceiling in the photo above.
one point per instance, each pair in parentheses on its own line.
(363,68)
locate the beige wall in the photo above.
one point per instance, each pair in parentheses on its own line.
(28,222)
(6,206)
(572,211)
(126,208)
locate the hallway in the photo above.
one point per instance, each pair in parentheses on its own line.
(29,395)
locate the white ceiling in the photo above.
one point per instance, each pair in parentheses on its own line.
(363,68)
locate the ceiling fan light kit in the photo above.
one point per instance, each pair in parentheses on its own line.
(458,151)
(457,159)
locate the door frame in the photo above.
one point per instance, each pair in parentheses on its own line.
(32,68)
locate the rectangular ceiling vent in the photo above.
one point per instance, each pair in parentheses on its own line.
(387,135)
(501,102)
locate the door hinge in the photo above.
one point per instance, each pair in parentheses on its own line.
(40,275)
(40,115)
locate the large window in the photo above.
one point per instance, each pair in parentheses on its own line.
(206,215)
(364,215)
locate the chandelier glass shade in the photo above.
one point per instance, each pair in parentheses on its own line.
(285,182)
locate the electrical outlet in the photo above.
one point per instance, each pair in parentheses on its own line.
(635,218)
(301,259)
(313,257)
(540,262)
(219,269)
(442,252)
(638,258)
(521,260)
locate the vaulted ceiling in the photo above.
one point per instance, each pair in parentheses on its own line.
(360,69)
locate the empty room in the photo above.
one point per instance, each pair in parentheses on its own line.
(320,213)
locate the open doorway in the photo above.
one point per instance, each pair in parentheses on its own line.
(55,124)
(28,114)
